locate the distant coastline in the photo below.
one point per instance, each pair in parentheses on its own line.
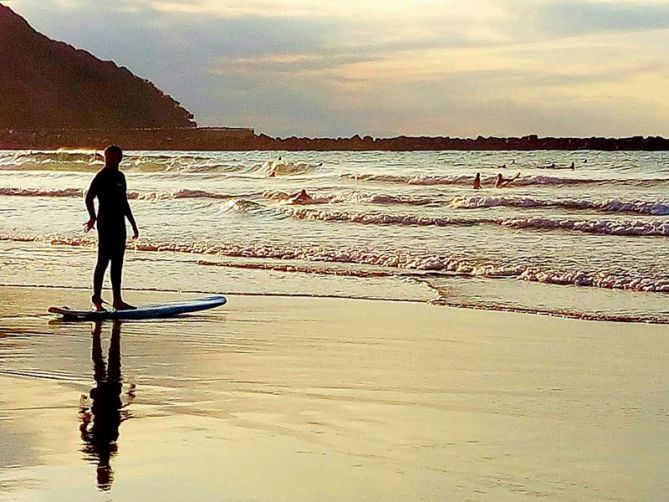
(244,139)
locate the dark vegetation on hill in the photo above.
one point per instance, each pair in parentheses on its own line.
(49,84)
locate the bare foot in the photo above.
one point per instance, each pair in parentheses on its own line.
(97,307)
(121,305)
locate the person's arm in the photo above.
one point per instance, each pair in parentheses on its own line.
(90,205)
(131,218)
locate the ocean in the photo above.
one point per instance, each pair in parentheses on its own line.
(590,242)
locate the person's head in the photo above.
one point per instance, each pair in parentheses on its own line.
(500,177)
(113,156)
(477,177)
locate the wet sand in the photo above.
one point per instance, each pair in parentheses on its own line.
(275,398)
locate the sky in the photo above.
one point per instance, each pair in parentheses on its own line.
(388,67)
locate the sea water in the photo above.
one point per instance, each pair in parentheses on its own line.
(590,241)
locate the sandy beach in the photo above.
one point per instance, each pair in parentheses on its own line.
(276,398)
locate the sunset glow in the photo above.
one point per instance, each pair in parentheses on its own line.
(503,67)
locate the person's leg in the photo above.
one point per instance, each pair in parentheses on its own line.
(100,269)
(117,273)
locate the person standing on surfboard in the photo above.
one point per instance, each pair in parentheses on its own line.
(110,188)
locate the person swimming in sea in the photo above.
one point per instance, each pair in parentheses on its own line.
(302,197)
(477,182)
(500,182)
(109,187)
(299,198)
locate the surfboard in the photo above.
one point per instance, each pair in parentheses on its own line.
(153,311)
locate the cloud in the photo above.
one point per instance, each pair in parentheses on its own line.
(574,17)
(388,66)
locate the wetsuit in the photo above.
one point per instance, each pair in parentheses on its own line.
(109,187)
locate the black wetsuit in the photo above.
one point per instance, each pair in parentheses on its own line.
(110,189)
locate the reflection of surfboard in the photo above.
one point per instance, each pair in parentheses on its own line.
(146,312)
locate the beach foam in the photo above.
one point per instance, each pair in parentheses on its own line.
(630,227)
(450,265)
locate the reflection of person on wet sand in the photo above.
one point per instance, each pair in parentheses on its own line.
(500,182)
(100,422)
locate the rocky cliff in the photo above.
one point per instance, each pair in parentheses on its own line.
(49,84)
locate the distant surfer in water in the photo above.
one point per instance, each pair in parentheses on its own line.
(302,197)
(500,182)
(110,188)
(477,182)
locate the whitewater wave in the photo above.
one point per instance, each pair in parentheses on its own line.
(612,205)
(178,162)
(402,261)
(380,219)
(277,167)
(650,208)
(355,197)
(627,227)
(78,192)
(304,269)
(242,205)
(630,228)
(37,192)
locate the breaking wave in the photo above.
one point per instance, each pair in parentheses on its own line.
(179,162)
(611,205)
(79,192)
(628,227)
(650,208)
(390,261)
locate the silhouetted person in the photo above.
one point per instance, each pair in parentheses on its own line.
(500,182)
(105,412)
(302,197)
(110,188)
(477,182)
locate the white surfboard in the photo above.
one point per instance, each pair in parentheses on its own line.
(154,311)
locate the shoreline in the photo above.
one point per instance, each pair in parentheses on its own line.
(439,303)
(280,398)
